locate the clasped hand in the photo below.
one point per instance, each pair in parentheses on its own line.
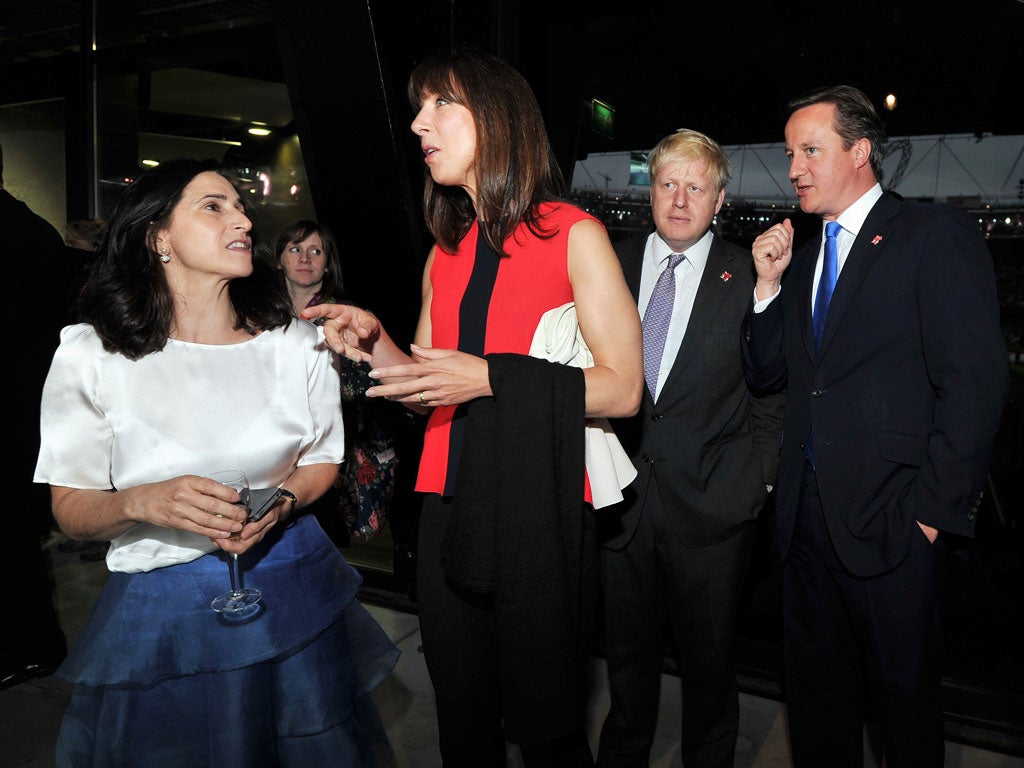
(204,506)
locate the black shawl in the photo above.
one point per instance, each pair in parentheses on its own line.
(517,533)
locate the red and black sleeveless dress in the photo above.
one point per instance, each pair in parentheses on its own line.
(482,303)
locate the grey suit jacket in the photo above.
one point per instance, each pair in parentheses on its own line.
(708,447)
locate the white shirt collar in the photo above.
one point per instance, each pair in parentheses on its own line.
(696,254)
(852,219)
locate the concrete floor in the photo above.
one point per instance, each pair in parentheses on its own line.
(30,713)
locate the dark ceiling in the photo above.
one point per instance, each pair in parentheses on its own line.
(724,68)
(728,68)
(38,29)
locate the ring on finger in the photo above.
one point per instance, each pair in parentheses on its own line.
(423,400)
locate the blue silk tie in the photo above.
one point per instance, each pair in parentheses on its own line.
(656,321)
(827,282)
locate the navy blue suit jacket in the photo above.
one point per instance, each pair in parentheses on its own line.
(906,394)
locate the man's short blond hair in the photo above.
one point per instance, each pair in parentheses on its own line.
(685,144)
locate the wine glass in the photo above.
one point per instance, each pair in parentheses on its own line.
(238,601)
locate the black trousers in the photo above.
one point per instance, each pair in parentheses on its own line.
(460,649)
(656,582)
(854,646)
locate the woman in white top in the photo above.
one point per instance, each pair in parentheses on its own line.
(187,363)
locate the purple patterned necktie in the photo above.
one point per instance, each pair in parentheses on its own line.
(656,320)
(827,281)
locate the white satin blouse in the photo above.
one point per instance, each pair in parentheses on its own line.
(265,406)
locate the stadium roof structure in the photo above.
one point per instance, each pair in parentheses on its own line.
(971,170)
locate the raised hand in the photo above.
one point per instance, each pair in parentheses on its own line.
(348,330)
(773,251)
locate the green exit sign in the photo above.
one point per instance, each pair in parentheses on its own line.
(602,118)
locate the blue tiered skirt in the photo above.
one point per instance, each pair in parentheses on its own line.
(163,680)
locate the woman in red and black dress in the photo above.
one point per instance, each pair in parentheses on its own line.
(506,546)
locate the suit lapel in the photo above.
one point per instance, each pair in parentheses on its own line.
(713,288)
(805,284)
(872,240)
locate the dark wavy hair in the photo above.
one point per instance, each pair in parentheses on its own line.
(856,119)
(333,285)
(126,297)
(515,166)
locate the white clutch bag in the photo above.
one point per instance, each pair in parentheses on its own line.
(558,339)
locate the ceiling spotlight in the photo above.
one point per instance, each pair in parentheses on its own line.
(890,101)
(255,131)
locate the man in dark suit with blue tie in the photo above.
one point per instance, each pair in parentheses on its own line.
(891,410)
(676,550)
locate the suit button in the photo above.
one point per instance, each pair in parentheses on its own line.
(646,459)
(817,392)
(803,447)
(655,417)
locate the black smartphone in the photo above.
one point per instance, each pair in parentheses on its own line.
(260,502)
